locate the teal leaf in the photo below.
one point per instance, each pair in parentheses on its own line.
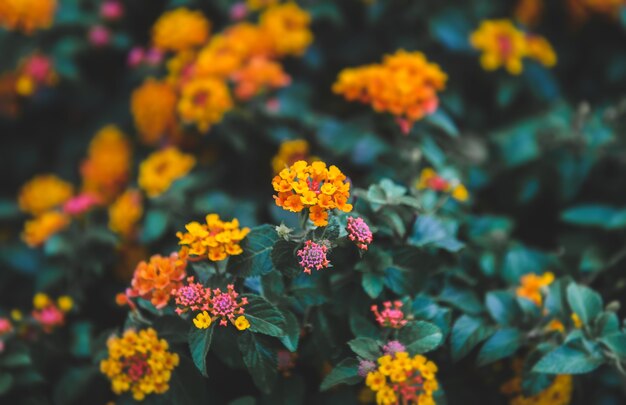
(365,347)
(567,360)
(264,317)
(501,344)
(467,332)
(420,337)
(585,302)
(595,215)
(199,345)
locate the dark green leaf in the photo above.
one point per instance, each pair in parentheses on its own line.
(264,317)
(568,360)
(467,332)
(199,345)
(585,302)
(420,337)
(345,372)
(284,258)
(372,284)
(260,360)
(501,344)
(256,257)
(365,347)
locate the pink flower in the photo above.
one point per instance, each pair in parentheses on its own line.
(38,67)
(392,347)
(359,232)
(111,10)
(365,367)
(192,297)
(238,11)
(313,256)
(272,105)
(99,35)
(49,317)
(153,56)
(391,315)
(224,305)
(135,57)
(5,326)
(80,204)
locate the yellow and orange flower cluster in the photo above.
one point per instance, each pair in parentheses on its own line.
(139,362)
(41,228)
(48,313)
(125,212)
(155,279)
(27,15)
(106,170)
(558,393)
(401,379)
(153,106)
(180,29)
(289,153)
(162,168)
(216,239)
(314,187)
(244,54)
(404,85)
(43,193)
(34,72)
(255,5)
(504,45)
(429,179)
(532,286)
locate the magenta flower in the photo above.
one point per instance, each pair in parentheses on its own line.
(313,256)
(391,316)
(359,232)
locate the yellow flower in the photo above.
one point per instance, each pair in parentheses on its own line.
(241,323)
(27,15)
(558,393)
(258,75)
(25,86)
(107,167)
(16,315)
(65,303)
(255,5)
(125,212)
(289,153)
(153,105)
(40,229)
(539,48)
(287,25)
(204,102)
(180,29)
(502,45)
(216,239)
(531,286)
(555,325)
(578,323)
(43,193)
(386,396)
(460,193)
(41,300)
(162,168)
(202,320)
(139,362)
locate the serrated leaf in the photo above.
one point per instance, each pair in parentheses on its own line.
(264,317)
(346,372)
(284,258)
(372,284)
(292,331)
(365,347)
(567,360)
(420,337)
(256,257)
(260,360)
(501,344)
(199,345)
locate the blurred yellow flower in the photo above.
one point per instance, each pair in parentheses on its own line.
(27,15)
(153,105)
(180,29)
(125,212)
(287,25)
(204,102)
(41,228)
(43,193)
(162,168)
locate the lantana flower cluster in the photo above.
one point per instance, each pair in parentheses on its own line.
(156,279)
(289,153)
(314,187)
(504,45)
(430,180)
(532,285)
(48,313)
(215,239)
(210,305)
(139,362)
(359,232)
(400,378)
(202,67)
(391,315)
(405,85)
(313,256)
(33,73)
(162,168)
(27,16)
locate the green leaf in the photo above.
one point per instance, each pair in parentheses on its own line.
(154,225)
(616,343)
(533,383)
(585,302)
(365,347)
(430,231)
(199,345)
(6,382)
(284,258)
(292,331)
(346,372)
(441,120)
(596,215)
(420,337)
(16,359)
(567,360)
(502,344)
(361,326)
(502,307)
(260,360)
(467,332)
(373,284)
(264,317)
(256,257)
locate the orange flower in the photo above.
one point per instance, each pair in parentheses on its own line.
(215,239)
(313,186)
(106,169)
(180,29)
(531,286)
(155,280)
(40,229)
(528,12)
(288,27)
(27,15)
(43,193)
(289,153)
(405,85)
(154,109)
(125,212)
(258,75)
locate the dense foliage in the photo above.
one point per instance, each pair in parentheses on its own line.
(268,202)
